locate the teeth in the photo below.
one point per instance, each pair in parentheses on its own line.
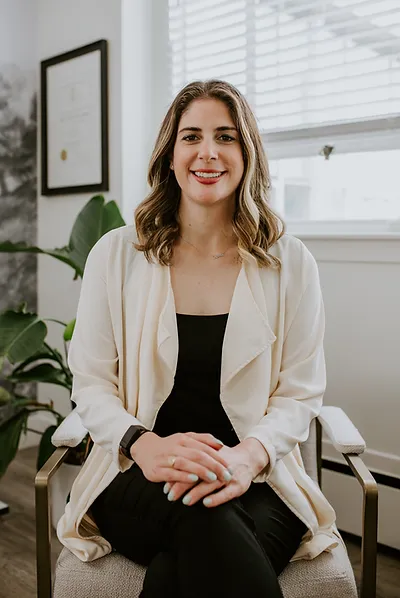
(208,175)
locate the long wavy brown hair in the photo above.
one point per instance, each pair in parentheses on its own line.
(255,224)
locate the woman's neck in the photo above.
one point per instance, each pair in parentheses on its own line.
(207,229)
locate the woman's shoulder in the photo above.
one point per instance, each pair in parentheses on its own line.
(113,251)
(115,240)
(297,262)
(291,249)
(120,235)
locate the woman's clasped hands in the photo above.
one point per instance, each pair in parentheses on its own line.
(198,467)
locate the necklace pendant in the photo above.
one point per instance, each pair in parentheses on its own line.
(218,255)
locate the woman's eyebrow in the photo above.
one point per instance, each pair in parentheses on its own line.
(197,129)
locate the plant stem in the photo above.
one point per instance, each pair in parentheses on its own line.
(56,321)
(67,373)
(40,407)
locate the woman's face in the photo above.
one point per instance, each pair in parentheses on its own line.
(207,159)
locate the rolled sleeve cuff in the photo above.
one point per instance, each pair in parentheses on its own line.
(260,434)
(124,423)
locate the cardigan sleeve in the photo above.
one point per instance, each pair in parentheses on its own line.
(93,360)
(297,398)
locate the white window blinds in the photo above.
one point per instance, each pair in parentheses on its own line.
(299,62)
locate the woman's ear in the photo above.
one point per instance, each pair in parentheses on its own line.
(171,166)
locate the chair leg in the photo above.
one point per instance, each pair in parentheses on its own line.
(43,527)
(369,540)
(43,540)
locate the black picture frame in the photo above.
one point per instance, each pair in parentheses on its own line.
(103,163)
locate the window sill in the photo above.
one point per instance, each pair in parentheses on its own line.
(346,236)
(357,230)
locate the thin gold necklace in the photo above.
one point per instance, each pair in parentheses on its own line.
(215,256)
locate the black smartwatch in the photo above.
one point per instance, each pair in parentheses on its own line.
(129,438)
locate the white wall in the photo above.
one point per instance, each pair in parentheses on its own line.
(360,279)
(63,26)
(126,24)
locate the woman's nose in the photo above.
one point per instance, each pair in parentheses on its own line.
(208,151)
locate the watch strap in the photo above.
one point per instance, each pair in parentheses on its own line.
(129,438)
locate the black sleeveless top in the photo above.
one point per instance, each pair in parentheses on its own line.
(194,404)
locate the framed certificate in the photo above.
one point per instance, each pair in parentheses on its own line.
(74,127)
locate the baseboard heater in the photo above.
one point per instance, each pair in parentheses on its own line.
(381,478)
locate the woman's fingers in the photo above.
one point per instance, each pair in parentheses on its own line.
(200,491)
(175,490)
(208,439)
(168,474)
(192,443)
(206,467)
(226,494)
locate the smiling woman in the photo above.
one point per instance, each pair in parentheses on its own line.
(198,370)
(209,155)
(208,163)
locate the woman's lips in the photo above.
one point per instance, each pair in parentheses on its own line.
(207,181)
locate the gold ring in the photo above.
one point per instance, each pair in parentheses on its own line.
(171,461)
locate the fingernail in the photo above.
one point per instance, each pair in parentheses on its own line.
(207,501)
(193,477)
(211,476)
(186,499)
(171,496)
(167,488)
(219,441)
(227,476)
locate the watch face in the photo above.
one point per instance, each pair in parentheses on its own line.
(130,437)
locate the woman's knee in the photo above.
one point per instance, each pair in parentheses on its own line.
(200,521)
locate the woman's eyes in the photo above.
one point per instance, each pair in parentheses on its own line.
(193,137)
(227,138)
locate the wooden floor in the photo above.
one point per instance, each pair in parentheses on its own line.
(17,538)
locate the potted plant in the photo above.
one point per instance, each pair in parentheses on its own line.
(26,356)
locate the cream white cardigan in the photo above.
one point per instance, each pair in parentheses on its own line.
(123,356)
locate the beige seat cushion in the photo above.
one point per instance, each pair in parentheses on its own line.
(113,576)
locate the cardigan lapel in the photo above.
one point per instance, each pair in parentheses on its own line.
(247,334)
(167,334)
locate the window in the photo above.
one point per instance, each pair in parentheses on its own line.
(323,78)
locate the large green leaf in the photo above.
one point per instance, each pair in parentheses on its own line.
(93,221)
(62,253)
(44,372)
(36,357)
(46,448)
(10,433)
(22,335)
(9,410)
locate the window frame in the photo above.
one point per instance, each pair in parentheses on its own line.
(346,137)
(369,134)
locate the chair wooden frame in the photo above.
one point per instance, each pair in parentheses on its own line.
(362,474)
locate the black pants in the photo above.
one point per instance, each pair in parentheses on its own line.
(237,549)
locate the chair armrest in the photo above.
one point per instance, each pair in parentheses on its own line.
(341,431)
(70,432)
(43,527)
